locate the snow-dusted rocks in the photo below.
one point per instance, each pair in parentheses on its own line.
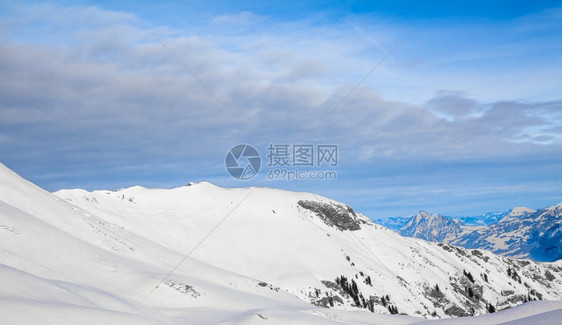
(336,215)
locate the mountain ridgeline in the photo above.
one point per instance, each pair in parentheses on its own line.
(519,233)
(202,254)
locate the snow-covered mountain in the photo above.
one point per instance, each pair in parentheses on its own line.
(202,254)
(431,227)
(486,219)
(523,233)
(483,220)
(520,233)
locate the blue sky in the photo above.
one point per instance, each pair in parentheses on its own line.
(462,118)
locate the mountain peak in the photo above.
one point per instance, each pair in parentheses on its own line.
(520,211)
(426,215)
(431,227)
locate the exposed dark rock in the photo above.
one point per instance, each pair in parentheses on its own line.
(456,311)
(183,288)
(336,215)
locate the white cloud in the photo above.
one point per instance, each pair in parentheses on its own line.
(241,18)
(107,81)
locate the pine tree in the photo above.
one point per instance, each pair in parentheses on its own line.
(354,288)
(363,301)
(356,301)
(392,309)
(468,275)
(371,304)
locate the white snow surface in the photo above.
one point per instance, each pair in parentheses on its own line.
(201,254)
(517,211)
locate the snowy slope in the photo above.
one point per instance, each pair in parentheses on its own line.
(61,264)
(273,238)
(108,255)
(536,313)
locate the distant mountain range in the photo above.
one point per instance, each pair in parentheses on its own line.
(520,232)
(396,223)
(485,219)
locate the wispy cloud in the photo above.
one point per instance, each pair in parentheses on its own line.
(241,18)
